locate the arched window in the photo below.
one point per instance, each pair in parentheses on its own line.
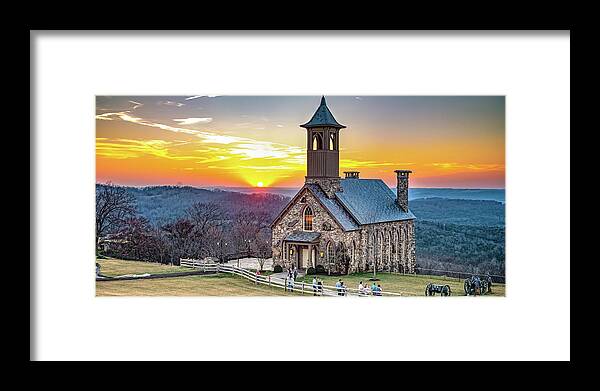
(330,253)
(380,243)
(344,257)
(394,247)
(370,250)
(308,219)
(406,237)
(388,248)
(317,142)
(375,246)
(403,245)
(331,141)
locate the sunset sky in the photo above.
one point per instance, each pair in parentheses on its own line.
(210,141)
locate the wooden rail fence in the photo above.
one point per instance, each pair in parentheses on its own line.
(284,283)
(457,274)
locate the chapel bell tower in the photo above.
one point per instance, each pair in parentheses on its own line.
(323,148)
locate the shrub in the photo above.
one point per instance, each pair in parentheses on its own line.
(277,269)
(321,269)
(310,270)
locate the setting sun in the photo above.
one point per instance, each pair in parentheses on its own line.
(257,141)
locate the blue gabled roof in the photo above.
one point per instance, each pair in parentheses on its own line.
(334,208)
(322,117)
(303,236)
(370,201)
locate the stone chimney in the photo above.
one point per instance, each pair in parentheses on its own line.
(351,174)
(402,189)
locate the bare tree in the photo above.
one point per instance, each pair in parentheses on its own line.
(180,235)
(216,243)
(206,217)
(262,249)
(114,205)
(137,233)
(159,246)
(246,227)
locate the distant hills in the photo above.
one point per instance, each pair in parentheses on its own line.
(163,204)
(458,194)
(461,229)
(413,193)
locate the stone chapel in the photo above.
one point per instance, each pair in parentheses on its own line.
(345,224)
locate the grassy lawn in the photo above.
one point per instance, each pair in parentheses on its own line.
(410,285)
(229,285)
(219,285)
(119,267)
(263,273)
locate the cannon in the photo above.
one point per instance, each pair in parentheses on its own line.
(476,285)
(432,289)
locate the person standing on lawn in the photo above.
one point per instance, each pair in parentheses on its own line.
(338,287)
(314,285)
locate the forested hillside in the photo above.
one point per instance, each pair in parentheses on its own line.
(462,235)
(463,212)
(164,204)
(167,222)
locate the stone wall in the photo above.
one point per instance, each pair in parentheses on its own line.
(329,185)
(322,223)
(396,256)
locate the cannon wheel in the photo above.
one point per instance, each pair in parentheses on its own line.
(427,290)
(447,291)
(485,289)
(467,287)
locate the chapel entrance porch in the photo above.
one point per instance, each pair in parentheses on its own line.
(300,249)
(302,256)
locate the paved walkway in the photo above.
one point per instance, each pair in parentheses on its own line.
(284,274)
(251,263)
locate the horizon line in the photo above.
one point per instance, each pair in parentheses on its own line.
(208,187)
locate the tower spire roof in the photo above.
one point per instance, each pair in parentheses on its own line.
(323,117)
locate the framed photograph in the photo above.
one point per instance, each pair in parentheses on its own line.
(392,187)
(189,206)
